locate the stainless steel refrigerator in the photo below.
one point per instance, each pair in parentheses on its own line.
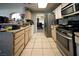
(47,24)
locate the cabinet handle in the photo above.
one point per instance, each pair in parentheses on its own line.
(64,36)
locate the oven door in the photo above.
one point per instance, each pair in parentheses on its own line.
(63,43)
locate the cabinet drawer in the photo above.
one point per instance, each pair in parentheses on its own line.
(19,33)
(18,39)
(19,51)
(17,47)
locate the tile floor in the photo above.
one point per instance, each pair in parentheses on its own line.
(39,45)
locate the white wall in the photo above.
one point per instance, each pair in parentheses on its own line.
(6,9)
(41,17)
(34,18)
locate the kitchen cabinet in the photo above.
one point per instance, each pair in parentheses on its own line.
(28,15)
(13,42)
(53,29)
(57,12)
(30,33)
(18,43)
(27,35)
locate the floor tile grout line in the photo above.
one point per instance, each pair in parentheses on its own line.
(33,46)
(41,42)
(50,44)
(53,47)
(42,46)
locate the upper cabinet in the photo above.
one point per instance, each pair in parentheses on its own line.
(57,12)
(28,15)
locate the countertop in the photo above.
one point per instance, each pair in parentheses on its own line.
(77,37)
(77,34)
(14,31)
(54,26)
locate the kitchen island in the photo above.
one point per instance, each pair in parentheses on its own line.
(13,42)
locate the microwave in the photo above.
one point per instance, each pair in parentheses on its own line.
(67,9)
(70,9)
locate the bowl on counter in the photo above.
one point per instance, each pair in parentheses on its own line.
(15,27)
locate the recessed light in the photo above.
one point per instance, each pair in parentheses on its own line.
(42,5)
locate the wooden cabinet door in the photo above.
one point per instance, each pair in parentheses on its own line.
(54,33)
(28,15)
(18,42)
(26,37)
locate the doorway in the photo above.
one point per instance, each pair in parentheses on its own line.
(39,25)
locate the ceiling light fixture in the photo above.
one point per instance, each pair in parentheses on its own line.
(42,5)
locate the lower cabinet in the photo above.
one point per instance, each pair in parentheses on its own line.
(54,33)
(21,40)
(12,43)
(18,43)
(26,36)
(29,33)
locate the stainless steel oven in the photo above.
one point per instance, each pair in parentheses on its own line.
(65,42)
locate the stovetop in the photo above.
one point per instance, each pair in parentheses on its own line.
(71,28)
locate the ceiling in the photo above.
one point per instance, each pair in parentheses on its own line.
(34,7)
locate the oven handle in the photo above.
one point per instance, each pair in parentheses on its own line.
(65,36)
